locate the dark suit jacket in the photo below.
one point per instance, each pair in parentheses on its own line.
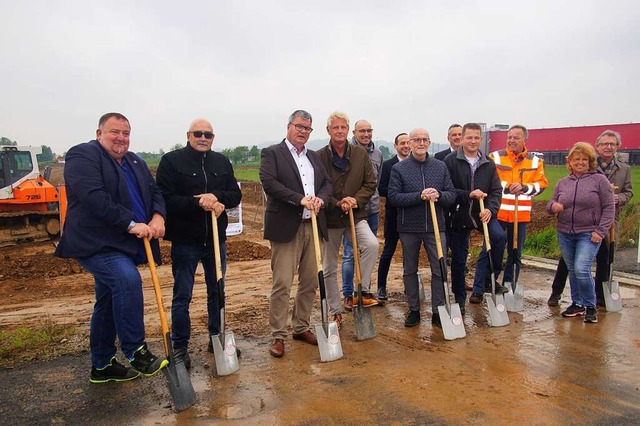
(99,205)
(281,181)
(390,212)
(442,154)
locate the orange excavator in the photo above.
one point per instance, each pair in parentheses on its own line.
(29,204)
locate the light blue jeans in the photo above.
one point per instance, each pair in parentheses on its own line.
(579,252)
(347,256)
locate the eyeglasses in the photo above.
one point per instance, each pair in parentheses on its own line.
(420,140)
(301,128)
(608,144)
(365,131)
(198,134)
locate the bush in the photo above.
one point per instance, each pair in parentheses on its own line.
(629,224)
(543,244)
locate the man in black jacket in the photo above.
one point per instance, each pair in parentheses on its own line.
(391,237)
(196,181)
(473,175)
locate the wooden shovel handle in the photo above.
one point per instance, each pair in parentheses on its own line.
(158,293)
(487,240)
(216,245)
(354,244)
(436,228)
(316,242)
(515,223)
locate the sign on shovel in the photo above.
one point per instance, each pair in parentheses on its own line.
(327,333)
(224,344)
(450,314)
(498,315)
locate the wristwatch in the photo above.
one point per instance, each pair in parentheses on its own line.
(131,225)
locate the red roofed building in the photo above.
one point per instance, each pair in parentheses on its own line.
(555,143)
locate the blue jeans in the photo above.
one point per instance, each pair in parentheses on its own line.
(522,233)
(119,307)
(498,240)
(347,256)
(578,252)
(185,258)
(389,249)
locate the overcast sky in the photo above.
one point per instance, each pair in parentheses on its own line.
(246,65)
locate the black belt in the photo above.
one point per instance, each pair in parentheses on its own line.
(307,220)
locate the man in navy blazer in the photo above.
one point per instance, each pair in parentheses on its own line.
(113,203)
(454,136)
(391,236)
(297,186)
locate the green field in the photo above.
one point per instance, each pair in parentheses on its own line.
(555,173)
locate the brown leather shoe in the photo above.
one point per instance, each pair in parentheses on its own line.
(307,337)
(468,285)
(348,304)
(277,348)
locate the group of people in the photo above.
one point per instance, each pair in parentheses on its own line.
(114,203)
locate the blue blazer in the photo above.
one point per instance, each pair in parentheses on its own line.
(99,206)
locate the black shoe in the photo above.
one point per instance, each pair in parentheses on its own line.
(382,294)
(592,315)
(435,320)
(210,348)
(413,319)
(114,372)
(182,354)
(500,289)
(476,298)
(573,311)
(554,299)
(147,363)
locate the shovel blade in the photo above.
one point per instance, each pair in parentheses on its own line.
(612,299)
(329,345)
(452,325)
(421,294)
(498,315)
(180,387)
(364,323)
(514,300)
(227,356)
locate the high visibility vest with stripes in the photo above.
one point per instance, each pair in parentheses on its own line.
(525,168)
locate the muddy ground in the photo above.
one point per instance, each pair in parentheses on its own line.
(541,369)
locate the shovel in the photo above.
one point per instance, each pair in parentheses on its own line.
(363,317)
(180,387)
(421,295)
(515,298)
(327,332)
(224,344)
(450,315)
(498,315)
(611,288)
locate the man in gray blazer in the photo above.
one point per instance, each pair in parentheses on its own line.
(297,186)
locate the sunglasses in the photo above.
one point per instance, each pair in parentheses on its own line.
(198,134)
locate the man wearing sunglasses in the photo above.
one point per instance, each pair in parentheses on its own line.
(196,181)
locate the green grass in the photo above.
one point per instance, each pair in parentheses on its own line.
(246,173)
(39,341)
(542,244)
(555,173)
